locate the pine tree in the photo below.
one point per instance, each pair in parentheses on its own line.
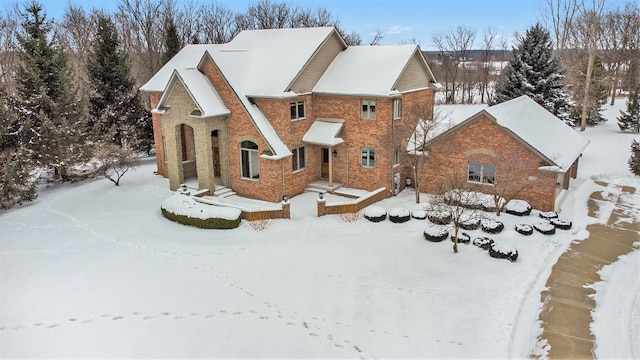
(598,93)
(634,160)
(630,120)
(534,71)
(116,111)
(52,119)
(172,43)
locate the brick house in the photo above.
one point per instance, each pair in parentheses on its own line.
(517,141)
(274,110)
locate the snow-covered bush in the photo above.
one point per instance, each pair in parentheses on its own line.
(436,233)
(375,213)
(184,210)
(562,224)
(501,251)
(491,226)
(463,238)
(483,242)
(419,214)
(548,215)
(524,229)
(471,200)
(439,217)
(518,208)
(469,222)
(399,215)
(545,227)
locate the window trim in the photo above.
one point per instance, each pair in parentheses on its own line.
(296,105)
(482,180)
(296,159)
(395,157)
(368,114)
(397,109)
(249,152)
(370,158)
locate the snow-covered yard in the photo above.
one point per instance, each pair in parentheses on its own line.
(94,270)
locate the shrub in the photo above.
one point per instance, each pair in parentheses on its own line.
(375,213)
(562,224)
(499,251)
(399,215)
(548,215)
(469,223)
(483,242)
(518,208)
(419,214)
(185,210)
(524,229)
(350,217)
(491,226)
(439,217)
(436,233)
(544,227)
(463,238)
(210,223)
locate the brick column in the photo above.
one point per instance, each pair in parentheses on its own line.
(204,157)
(286,211)
(321,206)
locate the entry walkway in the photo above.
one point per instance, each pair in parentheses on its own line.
(567,304)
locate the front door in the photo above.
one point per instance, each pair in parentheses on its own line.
(216,161)
(324,168)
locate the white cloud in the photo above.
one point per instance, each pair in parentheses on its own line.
(397,29)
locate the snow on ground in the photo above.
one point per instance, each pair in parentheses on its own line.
(94,270)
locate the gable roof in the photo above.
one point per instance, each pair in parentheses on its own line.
(366,70)
(202,92)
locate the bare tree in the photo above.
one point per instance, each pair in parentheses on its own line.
(113,162)
(76,34)
(454,47)
(486,67)
(220,26)
(378,35)
(558,16)
(9,23)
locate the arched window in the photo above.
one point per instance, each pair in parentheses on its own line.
(249,160)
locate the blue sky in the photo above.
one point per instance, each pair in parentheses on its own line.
(399,20)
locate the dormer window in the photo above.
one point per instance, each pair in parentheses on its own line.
(297,110)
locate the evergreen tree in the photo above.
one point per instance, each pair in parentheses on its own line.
(116,111)
(534,71)
(172,43)
(598,93)
(52,119)
(630,120)
(634,160)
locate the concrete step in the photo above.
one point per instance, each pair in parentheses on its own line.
(223,192)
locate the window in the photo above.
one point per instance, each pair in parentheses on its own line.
(482,173)
(396,156)
(249,160)
(397,109)
(299,160)
(368,110)
(368,157)
(297,110)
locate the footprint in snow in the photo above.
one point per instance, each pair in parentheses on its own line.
(87,321)
(165,313)
(264,317)
(147,318)
(178,317)
(194,314)
(52,326)
(73,319)
(117,318)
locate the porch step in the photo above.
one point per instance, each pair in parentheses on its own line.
(223,192)
(322,186)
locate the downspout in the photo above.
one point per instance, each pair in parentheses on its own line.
(330,166)
(393,185)
(283,179)
(347,165)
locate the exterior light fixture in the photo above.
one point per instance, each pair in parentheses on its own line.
(285,198)
(320,195)
(334,153)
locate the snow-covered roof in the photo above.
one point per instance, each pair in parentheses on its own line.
(187,58)
(201,90)
(324,132)
(540,129)
(365,70)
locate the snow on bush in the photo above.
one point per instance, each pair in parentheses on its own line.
(439,217)
(483,242)
(491,226)
(501,251)
(419,214)
(375,213)
(562,224)
(185,210)
(524,229)
(545,227)
(399,215)
(436,233)
(548,215)
(518,208)
(463,238)
(472,200)
(469,222)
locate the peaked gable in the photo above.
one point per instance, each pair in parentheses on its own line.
(416,74)
(202,92)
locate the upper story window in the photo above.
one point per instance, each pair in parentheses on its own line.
(368,157)
(397,109)
(396,156)
(298,110)
(482,173)
(299,160)
(368,111)
(249,164)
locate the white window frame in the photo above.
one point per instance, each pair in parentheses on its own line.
(367,157)
(252,159)
(368,109)
(482,178)
(299,159)
(396,157)
(397,109)
(295,107)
